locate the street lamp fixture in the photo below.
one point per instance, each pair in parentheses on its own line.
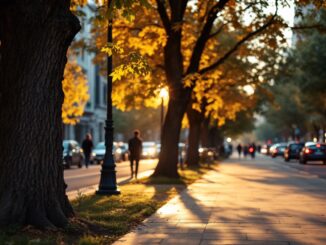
(108,182)
(164,93)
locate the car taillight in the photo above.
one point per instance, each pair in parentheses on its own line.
(308,151)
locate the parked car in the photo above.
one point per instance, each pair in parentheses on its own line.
(265,149)
(292,151)
(99,153)
(313,152)
(149,150)
(207,155)
(72,154)
(123,150)
(278,149)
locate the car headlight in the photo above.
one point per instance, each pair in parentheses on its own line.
(119,151)
(201,150)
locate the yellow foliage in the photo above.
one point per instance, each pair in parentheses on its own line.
(75,88)
(137,54)
(77,3)
(134,88)
(149,40)
(190,79)
(112,48)
(185,121)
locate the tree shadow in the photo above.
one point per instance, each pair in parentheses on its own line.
(246,222)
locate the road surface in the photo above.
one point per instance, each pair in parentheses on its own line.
(80,178)
(314,168)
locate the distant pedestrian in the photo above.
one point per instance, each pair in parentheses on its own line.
(245,151)
(252,150)
(135,150)
(87,147)
(239,149)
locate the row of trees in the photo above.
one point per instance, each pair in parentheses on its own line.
(202,52)
(299,107)
(197,39)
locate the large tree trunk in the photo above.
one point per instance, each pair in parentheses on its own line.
(205,133)
(168,160)
(195,119)
(216,138)
(179,96)
(35,36)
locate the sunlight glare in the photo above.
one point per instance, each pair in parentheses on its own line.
(249,89)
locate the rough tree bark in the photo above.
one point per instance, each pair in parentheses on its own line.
(179,96)
(168,160)
(195,119)
(205,137)
(35,36)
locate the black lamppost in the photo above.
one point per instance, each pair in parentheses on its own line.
(108,182)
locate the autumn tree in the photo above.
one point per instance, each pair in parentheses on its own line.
(198,48)
(229,14)
(232,15)
(218,98)
(306,71)
(302,76)
(186,32)
(75,90)
(34,40)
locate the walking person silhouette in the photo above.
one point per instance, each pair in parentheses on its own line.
(239,149)
(87,147)
(135,150)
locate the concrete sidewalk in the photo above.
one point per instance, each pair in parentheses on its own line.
(242,202)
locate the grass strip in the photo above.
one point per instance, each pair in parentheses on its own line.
(100,220)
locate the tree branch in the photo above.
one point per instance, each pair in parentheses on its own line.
(177,10)
(160,66)
(304,27)
(136,28)
(236,46)
(161,8)
(204,36)
(218,31)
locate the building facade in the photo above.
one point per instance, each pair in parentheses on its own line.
(93,120)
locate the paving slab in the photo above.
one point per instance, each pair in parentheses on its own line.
(241,202)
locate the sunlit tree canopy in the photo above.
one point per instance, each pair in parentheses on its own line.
(75,88)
